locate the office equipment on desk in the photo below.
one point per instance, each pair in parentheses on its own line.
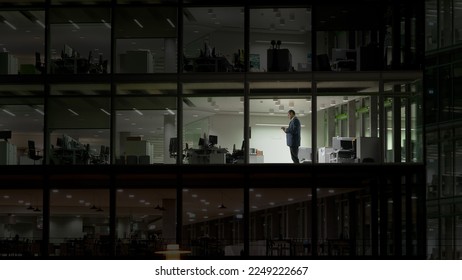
(343,60)
(32,152)
(8,153)
(344,150)
(207,155)
(70,151)
(279,60)
(213,140)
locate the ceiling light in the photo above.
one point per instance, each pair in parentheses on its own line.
(332,103)
(68,196)
(40,23)
(8,112)
(322,106)
(220,214)
(258,195)
(290,199)
(104,111)
(9,24)
(271,203)
(331,191)
(171,23)
(73,112)
(170,111)
(39,111)
(81,201)
(74,24)
(137,22)
(106,24)
(345,98)
(6,196)
(20,201)
(131,195)
(138,111)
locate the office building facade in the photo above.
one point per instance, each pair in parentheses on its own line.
(130,125)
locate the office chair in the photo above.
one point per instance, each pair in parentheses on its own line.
(32,152)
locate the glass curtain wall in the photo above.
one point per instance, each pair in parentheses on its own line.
(79,125)
(22,44)
(146,39)
(21,124)
(213,39)
(280,40)
(80,40)
(21,222)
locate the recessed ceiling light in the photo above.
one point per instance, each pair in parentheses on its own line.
(69,196)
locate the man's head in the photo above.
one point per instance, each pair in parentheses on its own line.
(291,114)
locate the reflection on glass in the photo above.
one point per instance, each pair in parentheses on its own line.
(146,221)
(79,130)
(431,25)
(145,127)
(80,89)
(23,51)
(146,40)
(21,133)
(213,130)
(280,40)
(213,39)
(79,223)
(147,89)
(21,221)
(80,40)
(213,224)
(279,222)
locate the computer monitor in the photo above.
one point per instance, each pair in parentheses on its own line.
(201,142)
(213,140)
(59,142)
(346,144)
(5,135)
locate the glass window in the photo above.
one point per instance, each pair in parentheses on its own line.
(145,127)
(146,221)
(431,26)
(268,106)
(80,40)
(347,122)
(213,224)
(21,130)
(280,40)
(146,39)
(347,45)
(457,87)
(21,221)
(147,88)
(447,163)
(279,222)
(213,130)
(79,223)
(84,2)
(213,39)
(79,130)
(445,22)
(22,43)
(457,6)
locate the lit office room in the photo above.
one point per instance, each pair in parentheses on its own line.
(17,56)
(80,40)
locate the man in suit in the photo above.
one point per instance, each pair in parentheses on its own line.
(293,135)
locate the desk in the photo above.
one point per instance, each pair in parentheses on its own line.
(207,156)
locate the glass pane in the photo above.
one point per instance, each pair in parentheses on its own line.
(79,223)
(348,121)
(21,129)
(213,130)
(344,44)
(458,167)
(431,27)
(84,2)
(445,23)
(80,89)
(144,129)
(457,87)
(80,40)
(213,224)
(432,165)
(279,222)
(280,40)
(145,222)
(23,50)
(213,39)
(447,164)
(79,130)
(146,39)
(433,240)
(21,221)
